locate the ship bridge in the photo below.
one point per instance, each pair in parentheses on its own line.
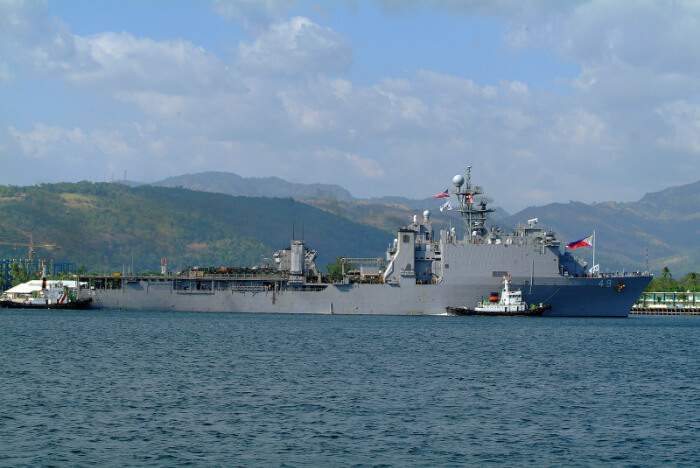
(414,254)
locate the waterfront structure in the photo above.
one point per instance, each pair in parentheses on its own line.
(667,303)
(33,267)
(668,299)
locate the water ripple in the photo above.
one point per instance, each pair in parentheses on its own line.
(173,389)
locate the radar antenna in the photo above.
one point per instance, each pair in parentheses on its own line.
(474,214)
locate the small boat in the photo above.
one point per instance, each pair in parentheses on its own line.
(43,294)
(508,303)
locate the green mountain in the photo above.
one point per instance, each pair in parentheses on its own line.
(107,226)
(386,216)
(232,184)
(387,212)
(104,226)
(667,223)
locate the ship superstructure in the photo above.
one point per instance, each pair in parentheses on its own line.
(420,274)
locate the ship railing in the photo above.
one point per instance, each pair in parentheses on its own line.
(296,279)
(364,261)
(222,277)
(611,274)
(241,287)
(244,277)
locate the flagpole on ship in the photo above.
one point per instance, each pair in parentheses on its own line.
(594,268)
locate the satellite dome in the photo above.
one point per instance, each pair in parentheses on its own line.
(426,214)
(458,180)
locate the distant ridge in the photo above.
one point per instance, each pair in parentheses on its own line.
(106,225)
(388,212)
(274,187)
(667,223)
(109,226)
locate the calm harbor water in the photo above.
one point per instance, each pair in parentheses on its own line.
(171,389)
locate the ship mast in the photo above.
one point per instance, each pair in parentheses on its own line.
(473,213)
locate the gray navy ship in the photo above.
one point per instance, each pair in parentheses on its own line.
(421,274)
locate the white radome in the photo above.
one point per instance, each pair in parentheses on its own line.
(458,180)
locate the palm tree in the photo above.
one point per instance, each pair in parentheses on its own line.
(19,275)
(666,273)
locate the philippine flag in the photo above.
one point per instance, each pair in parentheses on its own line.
(585,242)
(443,194)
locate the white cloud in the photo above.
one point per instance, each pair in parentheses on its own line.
(111,144)
(297,46)
(110,62)
(172,66)
(279,107)
(633,54)
(368,167)
(43,139)
(38,41)
(498,8)
(254,15)
(450,87)
(517,89)
(517,37)
(128,144)
(684,120)
(654,36)
(160,106)
(578,128)
(6,75)
(305,115)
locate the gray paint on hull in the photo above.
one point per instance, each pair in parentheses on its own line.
(567,296)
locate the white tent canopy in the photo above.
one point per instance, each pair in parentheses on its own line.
(35,285)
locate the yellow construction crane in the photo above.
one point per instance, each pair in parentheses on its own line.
(31,246)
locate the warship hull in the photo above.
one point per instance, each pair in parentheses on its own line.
(568,297)
(421,275)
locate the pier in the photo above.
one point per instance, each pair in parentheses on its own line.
(667,303)
(665,311)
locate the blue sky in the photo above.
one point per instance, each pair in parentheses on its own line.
(548,101)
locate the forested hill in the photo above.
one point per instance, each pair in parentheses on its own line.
(312,194)
(667,223)
(100,225)
(233,184)
(104,226)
